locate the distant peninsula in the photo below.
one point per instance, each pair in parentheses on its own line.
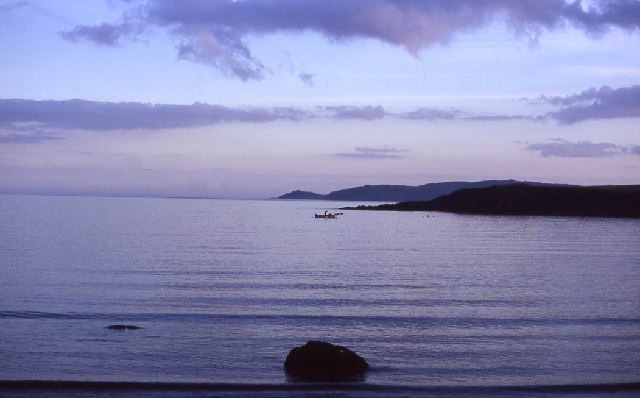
(526,199)
(395,193)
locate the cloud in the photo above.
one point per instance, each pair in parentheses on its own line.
(90,115)
(374,153)
(14,5)
(20,115)
(220,48)
(602,103)
(496,117)
(431,114)
(307,78)
(624,14)
(581,149)
(29,115)
(215,32)
(356,112)
(104,34)
(33,138)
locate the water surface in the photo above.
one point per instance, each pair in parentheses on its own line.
(223,289)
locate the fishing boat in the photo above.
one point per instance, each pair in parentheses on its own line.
(327,215)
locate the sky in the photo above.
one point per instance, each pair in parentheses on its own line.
(256,98)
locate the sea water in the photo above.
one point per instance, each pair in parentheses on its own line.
(438,304)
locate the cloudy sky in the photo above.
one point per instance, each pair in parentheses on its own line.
(254,98)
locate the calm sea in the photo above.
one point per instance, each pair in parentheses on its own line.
(439,304)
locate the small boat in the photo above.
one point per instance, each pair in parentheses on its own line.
(327,215)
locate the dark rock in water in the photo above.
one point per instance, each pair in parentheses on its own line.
(123,327)
(322,361)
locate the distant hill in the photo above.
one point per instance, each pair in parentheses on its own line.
(396,193)
(524,199)
(302,195)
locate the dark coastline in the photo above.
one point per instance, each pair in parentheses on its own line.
(398,193)
(523,199)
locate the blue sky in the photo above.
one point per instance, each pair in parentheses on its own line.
(254,98)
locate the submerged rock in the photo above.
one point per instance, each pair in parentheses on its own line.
(322,361)
(123,327)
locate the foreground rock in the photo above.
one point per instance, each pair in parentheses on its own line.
(322,361)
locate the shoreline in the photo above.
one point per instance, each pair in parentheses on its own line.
(105,386)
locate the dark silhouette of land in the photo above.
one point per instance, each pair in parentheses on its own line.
(525,199)
(396,193)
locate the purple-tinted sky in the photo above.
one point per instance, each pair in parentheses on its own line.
(255,98)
